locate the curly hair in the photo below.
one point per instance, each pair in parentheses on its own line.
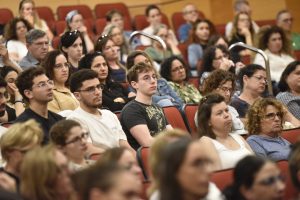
(10,30)
(257,112)
(166,67)
(265,34)
(216,79)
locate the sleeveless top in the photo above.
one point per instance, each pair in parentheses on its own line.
(229,157)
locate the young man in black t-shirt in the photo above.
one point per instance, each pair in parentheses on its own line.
(140,119)
(36,89)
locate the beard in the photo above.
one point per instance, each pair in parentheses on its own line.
(2,110)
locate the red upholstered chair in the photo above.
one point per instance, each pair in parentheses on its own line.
(190,111)
(60,27)
(46,14)
(291,135)
(140,21)
(99,25)
(221,28)
(174,118)
(142,155)
(102,8)
(195,81)
(84,10)
(246,59)
(183,47)
(266,22)
(5,15)
(56,42)
(290,190)
(222,178)
(297,55)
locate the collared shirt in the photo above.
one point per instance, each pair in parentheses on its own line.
(28,61)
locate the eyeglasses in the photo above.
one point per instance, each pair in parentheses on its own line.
(177,69)
(4,95)
(78,139)
(288,20)
(271,180)
(271,116)
(41,44)
(260,78)
(226,89)
(190,12)
(44,84)
(62,65)
(92,89)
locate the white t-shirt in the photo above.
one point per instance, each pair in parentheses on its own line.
(144,40)
(277,63)
(105,130)
(15,46)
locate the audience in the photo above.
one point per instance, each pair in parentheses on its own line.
(117,36)
(156,50)
(190,15)
(5,60)
(104,127)
(184,171)
(15,143)
(13,98)
(110,50)
(214,129)
(241,6)
(69,137)
(15,32)
(265,119)
(201,32)
(216,40)
(27,11)
(58,69)
(175,71)
(114,95)
(294,166)
(275,44)
(75,22)
(45,175)
(289,88)
(223,83)
(165,95)
(284,20)
(73,48)
(37,43)
(140,118)
(37,91)
(256,178)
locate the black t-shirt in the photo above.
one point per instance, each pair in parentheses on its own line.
(46,124)
(136,113)
(11,114)
(6,195)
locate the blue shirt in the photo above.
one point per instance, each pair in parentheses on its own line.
(276,148)
(183,32)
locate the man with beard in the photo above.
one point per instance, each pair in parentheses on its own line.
(7,114)
(37,44)
(141,119)
(36,89)
(104,128)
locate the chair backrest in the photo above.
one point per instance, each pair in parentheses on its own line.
(266,22)
(99,25)
(290,190)
(291,135)
(56,42)
(190,111)
(140,21)
(183,47)
(222,178)
(297,54)
(84,10)
(60,26)
(142,155)
(102,8)
(221,28)
(46,14)
(195,81)
(5,15)
(174,117)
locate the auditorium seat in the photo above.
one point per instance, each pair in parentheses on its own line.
(102,8)
(190,111)
(297,55)
(84,10)
(222,178)
(140,21)
(174,117)
(270,22)
(6,15)
(46,14)
(142,155)
(221,28)
(291,135)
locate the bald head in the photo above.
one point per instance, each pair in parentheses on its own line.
(190,13)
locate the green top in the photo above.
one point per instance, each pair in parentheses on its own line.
(296,41)
(188,93)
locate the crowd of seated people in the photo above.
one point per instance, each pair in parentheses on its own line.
(75,119)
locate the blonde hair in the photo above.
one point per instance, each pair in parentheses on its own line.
(36,19)
(160,141)
(39,173)
(20,135)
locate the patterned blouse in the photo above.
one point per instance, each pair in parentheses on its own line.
(188,93)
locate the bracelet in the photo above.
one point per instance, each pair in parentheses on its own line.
(18,101)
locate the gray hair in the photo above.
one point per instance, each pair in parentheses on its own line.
(33,35)
(70,16)
(239,3)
